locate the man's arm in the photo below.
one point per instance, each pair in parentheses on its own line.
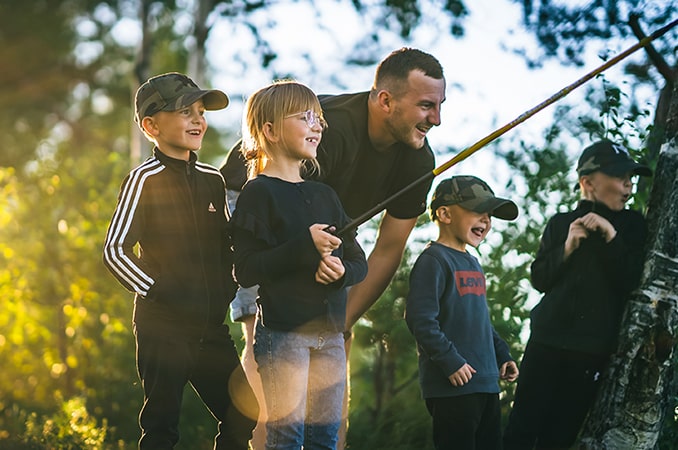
(381,266)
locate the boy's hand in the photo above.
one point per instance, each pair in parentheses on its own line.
(508,371)
(324,242)
(581,228)
(330,269)
(596,223)
(462,376)
(575,235)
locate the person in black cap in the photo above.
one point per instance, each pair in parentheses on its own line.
(588,262)
(461,356)
(173,207)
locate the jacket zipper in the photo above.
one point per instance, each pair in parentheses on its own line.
(197,234)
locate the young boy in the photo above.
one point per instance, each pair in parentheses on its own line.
(173,208)
(461,356)
(588,262)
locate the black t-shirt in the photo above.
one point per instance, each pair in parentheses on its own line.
(361,176)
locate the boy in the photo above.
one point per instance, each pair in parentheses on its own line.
(588,262)
(173,207)
(461,356)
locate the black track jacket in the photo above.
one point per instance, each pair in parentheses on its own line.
(182,278)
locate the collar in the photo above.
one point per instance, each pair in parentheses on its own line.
(173,163)
(586,206)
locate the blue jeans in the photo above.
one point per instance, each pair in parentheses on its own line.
(303,375)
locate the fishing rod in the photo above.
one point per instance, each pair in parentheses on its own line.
(355,223)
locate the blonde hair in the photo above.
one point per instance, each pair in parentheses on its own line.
(272,104)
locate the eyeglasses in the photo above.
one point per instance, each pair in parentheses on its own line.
(311,118)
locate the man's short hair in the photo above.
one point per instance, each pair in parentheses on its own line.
(396,67)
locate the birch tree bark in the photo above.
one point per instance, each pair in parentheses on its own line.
(633,400)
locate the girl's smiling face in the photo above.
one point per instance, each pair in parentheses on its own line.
(302,133)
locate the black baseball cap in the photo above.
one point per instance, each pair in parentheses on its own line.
(171,92)
(474,194)
(611,159)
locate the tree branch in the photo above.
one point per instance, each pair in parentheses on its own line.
(657,59)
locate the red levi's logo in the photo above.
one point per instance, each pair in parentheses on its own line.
(470,282)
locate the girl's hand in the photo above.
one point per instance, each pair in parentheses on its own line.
(330,269)
(324,242)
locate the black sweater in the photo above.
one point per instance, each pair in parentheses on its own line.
(274,249)
(584,297)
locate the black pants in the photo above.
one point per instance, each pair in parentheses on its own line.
(212,367)
(466,422)
(555,391)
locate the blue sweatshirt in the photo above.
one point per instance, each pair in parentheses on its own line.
(447,313)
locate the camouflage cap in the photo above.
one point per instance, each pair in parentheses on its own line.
(474,194)
(611,159)
(171,92)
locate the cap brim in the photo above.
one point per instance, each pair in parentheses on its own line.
(625,167)
(212,100)
(501,208)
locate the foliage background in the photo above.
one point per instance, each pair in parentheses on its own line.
(66,347)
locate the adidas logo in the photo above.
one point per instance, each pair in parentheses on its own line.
(211,208)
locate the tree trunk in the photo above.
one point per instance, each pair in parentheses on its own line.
(141,74)
(633,400)
(197,60)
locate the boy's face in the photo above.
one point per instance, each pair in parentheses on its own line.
(612,192)
(178,132)
(460,227)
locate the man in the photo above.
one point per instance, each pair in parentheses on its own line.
(375,146)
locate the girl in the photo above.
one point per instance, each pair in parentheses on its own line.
(303,271)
